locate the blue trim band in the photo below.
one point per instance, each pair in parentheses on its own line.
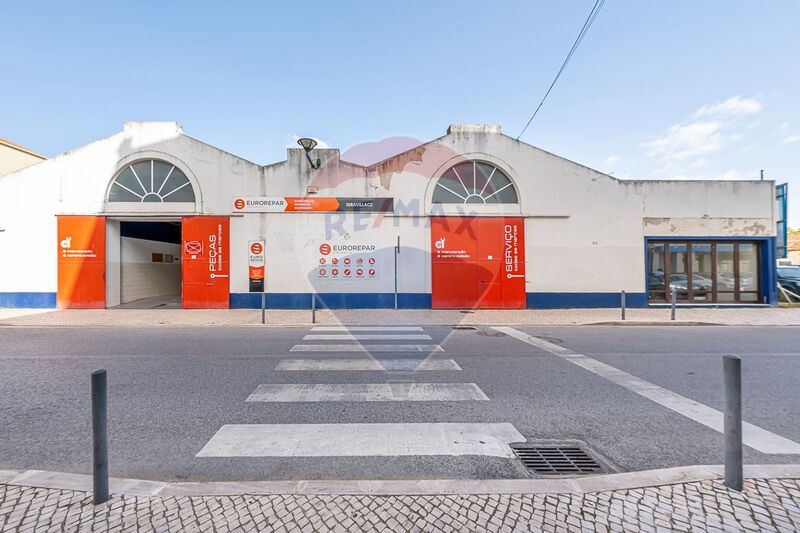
(333,300)
(30,300)
(565,300)
(769,270)
(536,300)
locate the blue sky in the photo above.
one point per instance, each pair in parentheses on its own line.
(679,89)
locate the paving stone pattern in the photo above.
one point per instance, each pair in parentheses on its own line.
(764,505)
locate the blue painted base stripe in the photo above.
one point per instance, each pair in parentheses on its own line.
(336,300)
(29,300)
(535,300)
(564,300)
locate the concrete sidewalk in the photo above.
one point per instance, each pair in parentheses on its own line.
(686,499)
(762,316)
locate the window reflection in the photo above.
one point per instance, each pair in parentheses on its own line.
(702,282)
(678,264)
(655,274)
(725,267)
(748,267)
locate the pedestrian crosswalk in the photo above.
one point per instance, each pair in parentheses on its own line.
(365,365)
(401,358)
(370,348)
(358,440)
(369,337)
(347,329)
(367,392)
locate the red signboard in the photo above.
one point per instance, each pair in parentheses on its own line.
(477,262)
(312,204)
(206,268)
(81,244)
(256,263)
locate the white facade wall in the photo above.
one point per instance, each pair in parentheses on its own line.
(584,230)
(141,277)
(29,201)
(292,251)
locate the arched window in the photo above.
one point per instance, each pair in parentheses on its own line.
(474,182)
(151,181)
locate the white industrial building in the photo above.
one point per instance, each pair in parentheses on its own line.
(152,215)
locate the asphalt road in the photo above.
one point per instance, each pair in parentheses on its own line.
(172,389)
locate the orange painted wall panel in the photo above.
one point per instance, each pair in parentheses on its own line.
(81,244)
(205,260)
(477,262)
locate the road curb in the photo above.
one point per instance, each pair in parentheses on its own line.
(443,325)
(655,323)
(599,483)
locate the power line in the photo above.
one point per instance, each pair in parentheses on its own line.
(598,5)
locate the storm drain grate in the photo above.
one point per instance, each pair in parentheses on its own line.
(463,327)
(556,460)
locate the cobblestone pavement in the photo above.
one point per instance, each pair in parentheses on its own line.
(764,505)
(764,316)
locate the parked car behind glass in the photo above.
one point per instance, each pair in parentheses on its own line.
(789,278)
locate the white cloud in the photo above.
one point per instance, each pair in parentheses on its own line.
(708,130)
(791,139)
(699,163)
(683,141)
(291,142)
(610,160)
(729,175)
(734,106)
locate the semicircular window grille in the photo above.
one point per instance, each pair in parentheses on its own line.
(474,182)
(151,181)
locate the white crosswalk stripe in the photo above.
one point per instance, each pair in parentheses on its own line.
(358,440)
(368,348)
(362,364)
(366,328)
(367,392)
(369,337)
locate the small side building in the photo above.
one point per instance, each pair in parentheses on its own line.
(14,157)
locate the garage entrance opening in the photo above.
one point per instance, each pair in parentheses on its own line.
(477,262)
(143,264)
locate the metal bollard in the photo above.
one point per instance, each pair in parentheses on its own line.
(674,303)
(396,253)
(622,304)
(313,308)
(734,469)
(100,436)
(263,307)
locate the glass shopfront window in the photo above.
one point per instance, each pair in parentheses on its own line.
(703,271)
(726,272)
(678,270)
(748,272)
(655,274)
